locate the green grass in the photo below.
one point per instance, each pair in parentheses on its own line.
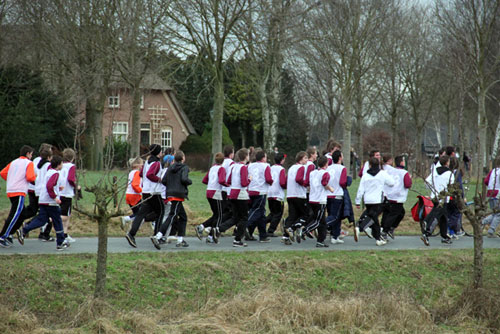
(153,282)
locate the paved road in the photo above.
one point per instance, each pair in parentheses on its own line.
(120,245)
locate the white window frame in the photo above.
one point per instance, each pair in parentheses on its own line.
(141,104)
(114,101)
(166,141)
(120,131)
(146,128)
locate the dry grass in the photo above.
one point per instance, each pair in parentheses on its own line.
(267,312)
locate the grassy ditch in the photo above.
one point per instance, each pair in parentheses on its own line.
(263,292)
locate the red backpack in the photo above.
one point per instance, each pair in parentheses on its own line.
(422,208)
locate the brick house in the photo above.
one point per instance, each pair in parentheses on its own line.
(162,119)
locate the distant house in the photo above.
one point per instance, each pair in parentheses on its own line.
(162,119)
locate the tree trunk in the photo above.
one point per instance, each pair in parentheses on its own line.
(461,130)
(394,129)
(218,112)
(95,142)
(418,152)
(135,139)
(102,256)
(477,280)
(449,133)
(266,127)
(346,147)
(496,142)
(482,125)
(275,102)
(332,120)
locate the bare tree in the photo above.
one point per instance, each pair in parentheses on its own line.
(206,28)
(472,25)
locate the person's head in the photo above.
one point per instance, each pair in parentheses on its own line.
(444,160)
(26,151)
(337,157)
(56,162)
(312,153)
(301,157)
(442,151)
(387,159)
(279,158)
(400,161)
(68,155)
(46,154)
(242,155)
(276,149)
(260,155)
(46,147)
(332,146)
(155,150)
(136,163)
(322,162)
(375,154)
(179,156)
(229,151)
(374,162)
(219,158)
(450,151)
(454,164)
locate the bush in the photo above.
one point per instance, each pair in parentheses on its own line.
(120,153)
(203,143)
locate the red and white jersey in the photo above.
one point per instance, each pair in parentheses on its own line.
(295,182)
(239,182)
(31,186)
(50,190)
(338,180)
(130,183)
(399,192)
(318,181)
(227,163)
(261,178)
(310,166)
(277,189)
(329,157)
(40,178)
(492,180)
(148,186)
(67,179)
(16,176)
(215,179)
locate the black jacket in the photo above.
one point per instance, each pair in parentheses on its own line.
(176,179)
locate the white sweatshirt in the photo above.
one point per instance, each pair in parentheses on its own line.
(371,188)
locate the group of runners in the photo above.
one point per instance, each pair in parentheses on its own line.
(239,185)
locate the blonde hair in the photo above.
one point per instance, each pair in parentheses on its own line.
(68,154)
(134,162)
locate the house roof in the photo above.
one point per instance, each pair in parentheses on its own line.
(183,115)
(150,81)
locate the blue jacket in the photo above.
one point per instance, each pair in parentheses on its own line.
(348,210)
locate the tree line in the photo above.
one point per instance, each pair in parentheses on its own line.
(274,72)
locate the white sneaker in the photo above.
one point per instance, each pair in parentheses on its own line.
(368,232)
(171,239)
(356,234)
(125,220)
(70,239)
(380,242)
(336,241)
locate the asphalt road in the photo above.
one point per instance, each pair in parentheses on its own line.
(120,245)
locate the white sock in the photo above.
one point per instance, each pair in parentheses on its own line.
(179,239)
(159,235)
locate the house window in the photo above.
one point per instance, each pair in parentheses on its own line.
(120,131)
(166,138)
(114,101)
(145,134)
(142,101)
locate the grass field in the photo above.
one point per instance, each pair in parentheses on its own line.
(197,206)
(218,292)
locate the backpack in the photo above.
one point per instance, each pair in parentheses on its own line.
(422,208)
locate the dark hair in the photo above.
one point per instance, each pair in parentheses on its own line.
(179,155)
(259,155)
(443,160)
(386,157)
(398,160)
(45,154)
(242,154)
(25,150)
(310,151)
(336,156)
(219,158)
(228,149)
(331,144)
(373,161)
(56,161)
(454,163)
(322,161)
(372,153)
(300,155)
(279,157)
(441,151)
(449,150)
